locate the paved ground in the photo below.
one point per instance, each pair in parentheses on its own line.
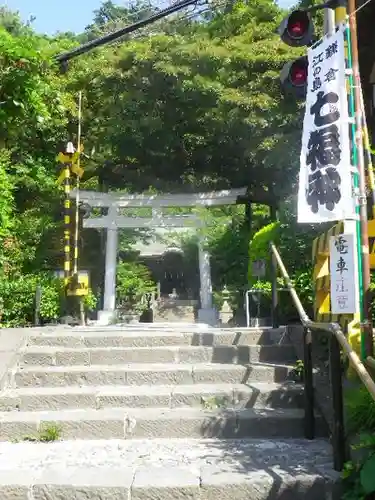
(239,455)
(167,470)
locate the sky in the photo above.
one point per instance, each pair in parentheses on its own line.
(55,15)
(62,15)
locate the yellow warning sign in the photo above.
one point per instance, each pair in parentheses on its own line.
(78,284)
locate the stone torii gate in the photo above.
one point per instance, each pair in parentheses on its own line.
(113,220)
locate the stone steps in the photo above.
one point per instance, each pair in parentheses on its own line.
(126,423)
(239,354)
(169,470)
(145,373)
(151,337)
(158,412)
(258,395)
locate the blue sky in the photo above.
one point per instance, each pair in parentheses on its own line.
(56,15)
(62,15)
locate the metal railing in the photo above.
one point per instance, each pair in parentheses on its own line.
(258,292)
(253,292)
(337,341)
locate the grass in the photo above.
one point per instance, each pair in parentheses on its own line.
(215,402)
(46,434)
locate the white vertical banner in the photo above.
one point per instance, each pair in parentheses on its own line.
(325,180)
(343,271)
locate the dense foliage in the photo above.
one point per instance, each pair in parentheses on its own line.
(190,103)
(202,108)
(358,474)
(294,243)
(17,303)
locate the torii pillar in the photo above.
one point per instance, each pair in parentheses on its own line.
(108,314)
(109,304)
(206,314)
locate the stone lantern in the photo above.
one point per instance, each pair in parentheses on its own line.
(226,312)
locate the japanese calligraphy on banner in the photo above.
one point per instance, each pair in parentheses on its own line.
(343,271)
(325,181)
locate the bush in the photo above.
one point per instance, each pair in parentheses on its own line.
(259,248)
(17,296)
(133,282)
(302,282)
(358,474)
(360,407)
(228,247)
(294,243)
(90,301)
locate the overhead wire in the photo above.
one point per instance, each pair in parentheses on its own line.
(188,16)
(64,57)
(111,37)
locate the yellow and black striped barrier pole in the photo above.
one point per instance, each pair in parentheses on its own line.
(67,219)
(65,178)
(66,224)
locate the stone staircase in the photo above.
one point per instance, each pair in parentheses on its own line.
(174,311)
(151,413)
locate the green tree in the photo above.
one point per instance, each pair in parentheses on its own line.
(201,109)
(11,22)
(35,109)
(195,106)
(111,17)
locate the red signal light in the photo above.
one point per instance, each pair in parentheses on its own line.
(298,24)
(297,30)
(298,73)
(293,77)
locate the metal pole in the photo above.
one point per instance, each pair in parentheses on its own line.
(309,420)
(370,169)
(76,232)
(329,21)
(247,308)
(366,322)
(352,129)
(275,305)
(338,434)
(340,12)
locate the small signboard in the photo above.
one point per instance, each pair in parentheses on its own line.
(259,268)
(78,286)
(344,274)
